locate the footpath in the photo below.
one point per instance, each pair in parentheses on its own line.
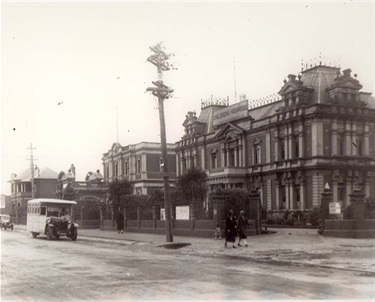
(301,247)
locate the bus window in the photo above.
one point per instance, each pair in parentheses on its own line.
(52,212)
(43,211)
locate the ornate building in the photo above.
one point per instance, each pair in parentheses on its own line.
(141,164)
(320,130)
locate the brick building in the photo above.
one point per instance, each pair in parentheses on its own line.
(140,164)
(45,181)
(321,129)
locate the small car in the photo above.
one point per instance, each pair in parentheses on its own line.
(5,222)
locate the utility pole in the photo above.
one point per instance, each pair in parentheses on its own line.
(162,92)
(32,170)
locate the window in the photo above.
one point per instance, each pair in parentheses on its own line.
(359,146)
(282,149)
(256,155)
(296,148)
(340,144)
(126,167)
(213,161)
(107,170)
(232,158)
(116,169)
(43,211)
(138,165)
(283,197)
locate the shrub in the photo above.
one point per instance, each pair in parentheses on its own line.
(315,216)
(276,218)
(290,219)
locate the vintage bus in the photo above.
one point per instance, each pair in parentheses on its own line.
(51,217)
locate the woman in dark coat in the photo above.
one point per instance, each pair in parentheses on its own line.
(242,226)
(120,223)
(230,229)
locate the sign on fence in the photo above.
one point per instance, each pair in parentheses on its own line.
(334,208)
(182,213)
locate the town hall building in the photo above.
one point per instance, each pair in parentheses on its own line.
(320,130)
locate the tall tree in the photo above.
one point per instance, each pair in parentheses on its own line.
(118,188)
(193,184)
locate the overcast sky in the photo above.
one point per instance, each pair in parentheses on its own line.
(91,58)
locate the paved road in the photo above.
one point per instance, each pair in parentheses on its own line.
(37,269)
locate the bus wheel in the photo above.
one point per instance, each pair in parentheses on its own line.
(74,234)
(49,233)
(34,234)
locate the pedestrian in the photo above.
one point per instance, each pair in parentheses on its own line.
(217,232)
(120,223)
(242,226)
(230,229)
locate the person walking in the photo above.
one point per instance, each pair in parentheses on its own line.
(242,226)
(120,223)
(230,229)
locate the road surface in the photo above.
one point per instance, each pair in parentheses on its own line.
(38,269)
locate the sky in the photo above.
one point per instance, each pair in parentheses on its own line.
(74,74)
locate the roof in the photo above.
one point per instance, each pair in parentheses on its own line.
(207,116)
(51,200)
(40,173)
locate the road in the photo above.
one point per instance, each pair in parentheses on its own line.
(37,269)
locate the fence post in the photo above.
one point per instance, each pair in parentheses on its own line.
(113,216)
(154,217)
(101,216)
(324,206)
(125,219)
(357,200)
(254,210)
(139,216)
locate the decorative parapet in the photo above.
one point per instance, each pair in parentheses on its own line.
(214,102)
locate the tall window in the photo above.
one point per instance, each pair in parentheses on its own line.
(283,197)
(213,158)
(126,167)
(107,170)
(138,165)
(232,157)
(296,147)
(359,146)
(256,154)
(116,169)
(340,144)
(183,165)
(282,149)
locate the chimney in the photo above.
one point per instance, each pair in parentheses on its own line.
(291,77)
(347,72)
(73,169)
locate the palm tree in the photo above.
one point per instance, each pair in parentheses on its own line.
(193,185)
(119,188)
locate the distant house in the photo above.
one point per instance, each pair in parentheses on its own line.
(45,181)
(141,164)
